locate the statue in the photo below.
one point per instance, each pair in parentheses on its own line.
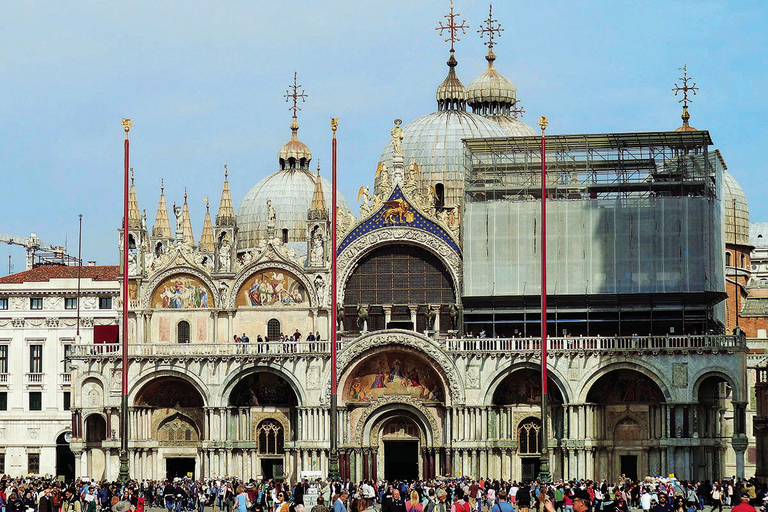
(317,258)
(224,256)
(340,317)
(362,318)
(271,215)
(363,193)
(177,214)
(320,288)
(431,316)
(384,184)
(397,138)
(453,312)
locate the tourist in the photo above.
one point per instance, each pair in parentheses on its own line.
(339,503)
(320,507)
(744,506)
(413,504)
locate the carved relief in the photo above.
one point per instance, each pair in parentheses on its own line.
(89,302)
(313,378)
(18,322)
(473,377)
(52,322)
(54,303)
(18,303)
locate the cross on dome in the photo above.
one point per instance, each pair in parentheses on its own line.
(491,27)
(452,27)
(685,87)
(295,95)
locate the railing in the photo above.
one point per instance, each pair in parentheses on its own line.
(34,378)
(65,378)
(474,346)
(264,349)
(614,344)
(3,378)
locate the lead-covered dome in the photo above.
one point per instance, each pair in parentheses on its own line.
(433,141)
(289,191)
(736,211)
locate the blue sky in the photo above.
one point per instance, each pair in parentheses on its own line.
(205,81)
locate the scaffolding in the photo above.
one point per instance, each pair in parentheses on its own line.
(630,215)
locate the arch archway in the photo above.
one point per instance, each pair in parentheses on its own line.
(65,459)
(167,404)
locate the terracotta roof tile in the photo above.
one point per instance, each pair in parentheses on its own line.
(46,273)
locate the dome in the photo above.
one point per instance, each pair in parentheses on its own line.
(736,211)
(493,96)
(433,142)
(294,154)
(451,93)
(290,192)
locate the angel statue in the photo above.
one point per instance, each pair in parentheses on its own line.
(383,176)
(397,138)
(365,207)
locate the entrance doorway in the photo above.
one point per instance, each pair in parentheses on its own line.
(179,467)
(401,460)
(629,466)
(272,468)
(65,459)
(529,469)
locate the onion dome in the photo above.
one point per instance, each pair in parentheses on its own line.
(451,94)
(294,154)
(736,211)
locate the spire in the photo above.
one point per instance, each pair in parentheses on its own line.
(318,210)
(226,214)
(188,236)
(451,94)
(134,215)
(162,227)
(686,127)
(206,239)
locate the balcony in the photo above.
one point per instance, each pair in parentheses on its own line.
(34,379)
(3,378)
(494,347)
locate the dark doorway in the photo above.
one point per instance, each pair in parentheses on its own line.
(401,460)
(529,469)
(408,326)
(65,459)
(272,468)
(629,466)
(179,467)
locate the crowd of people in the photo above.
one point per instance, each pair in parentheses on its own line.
(288,342)
(440,495)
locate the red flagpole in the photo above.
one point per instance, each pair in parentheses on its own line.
(333,459)
(124,469)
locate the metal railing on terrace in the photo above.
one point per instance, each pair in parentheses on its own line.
(618,345)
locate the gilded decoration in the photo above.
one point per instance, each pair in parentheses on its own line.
(433,354)
(396,372)
(182,292)
(271,287)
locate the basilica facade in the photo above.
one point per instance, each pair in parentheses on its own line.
(439,337)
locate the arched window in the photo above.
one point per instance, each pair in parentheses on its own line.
(131,242)
(182,335)
(529,436)
(273,329)
(727,259)
(177,428)
(271,437)
(285,236)
(440,193)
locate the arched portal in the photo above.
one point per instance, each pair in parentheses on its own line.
(517,405)
(264,407)
(714,394)
(625,410)
(65,459)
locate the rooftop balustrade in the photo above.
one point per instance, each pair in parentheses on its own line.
(591,345)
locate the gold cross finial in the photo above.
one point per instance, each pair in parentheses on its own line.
(295,95)
(452,27)
(491,27)
(685,88)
